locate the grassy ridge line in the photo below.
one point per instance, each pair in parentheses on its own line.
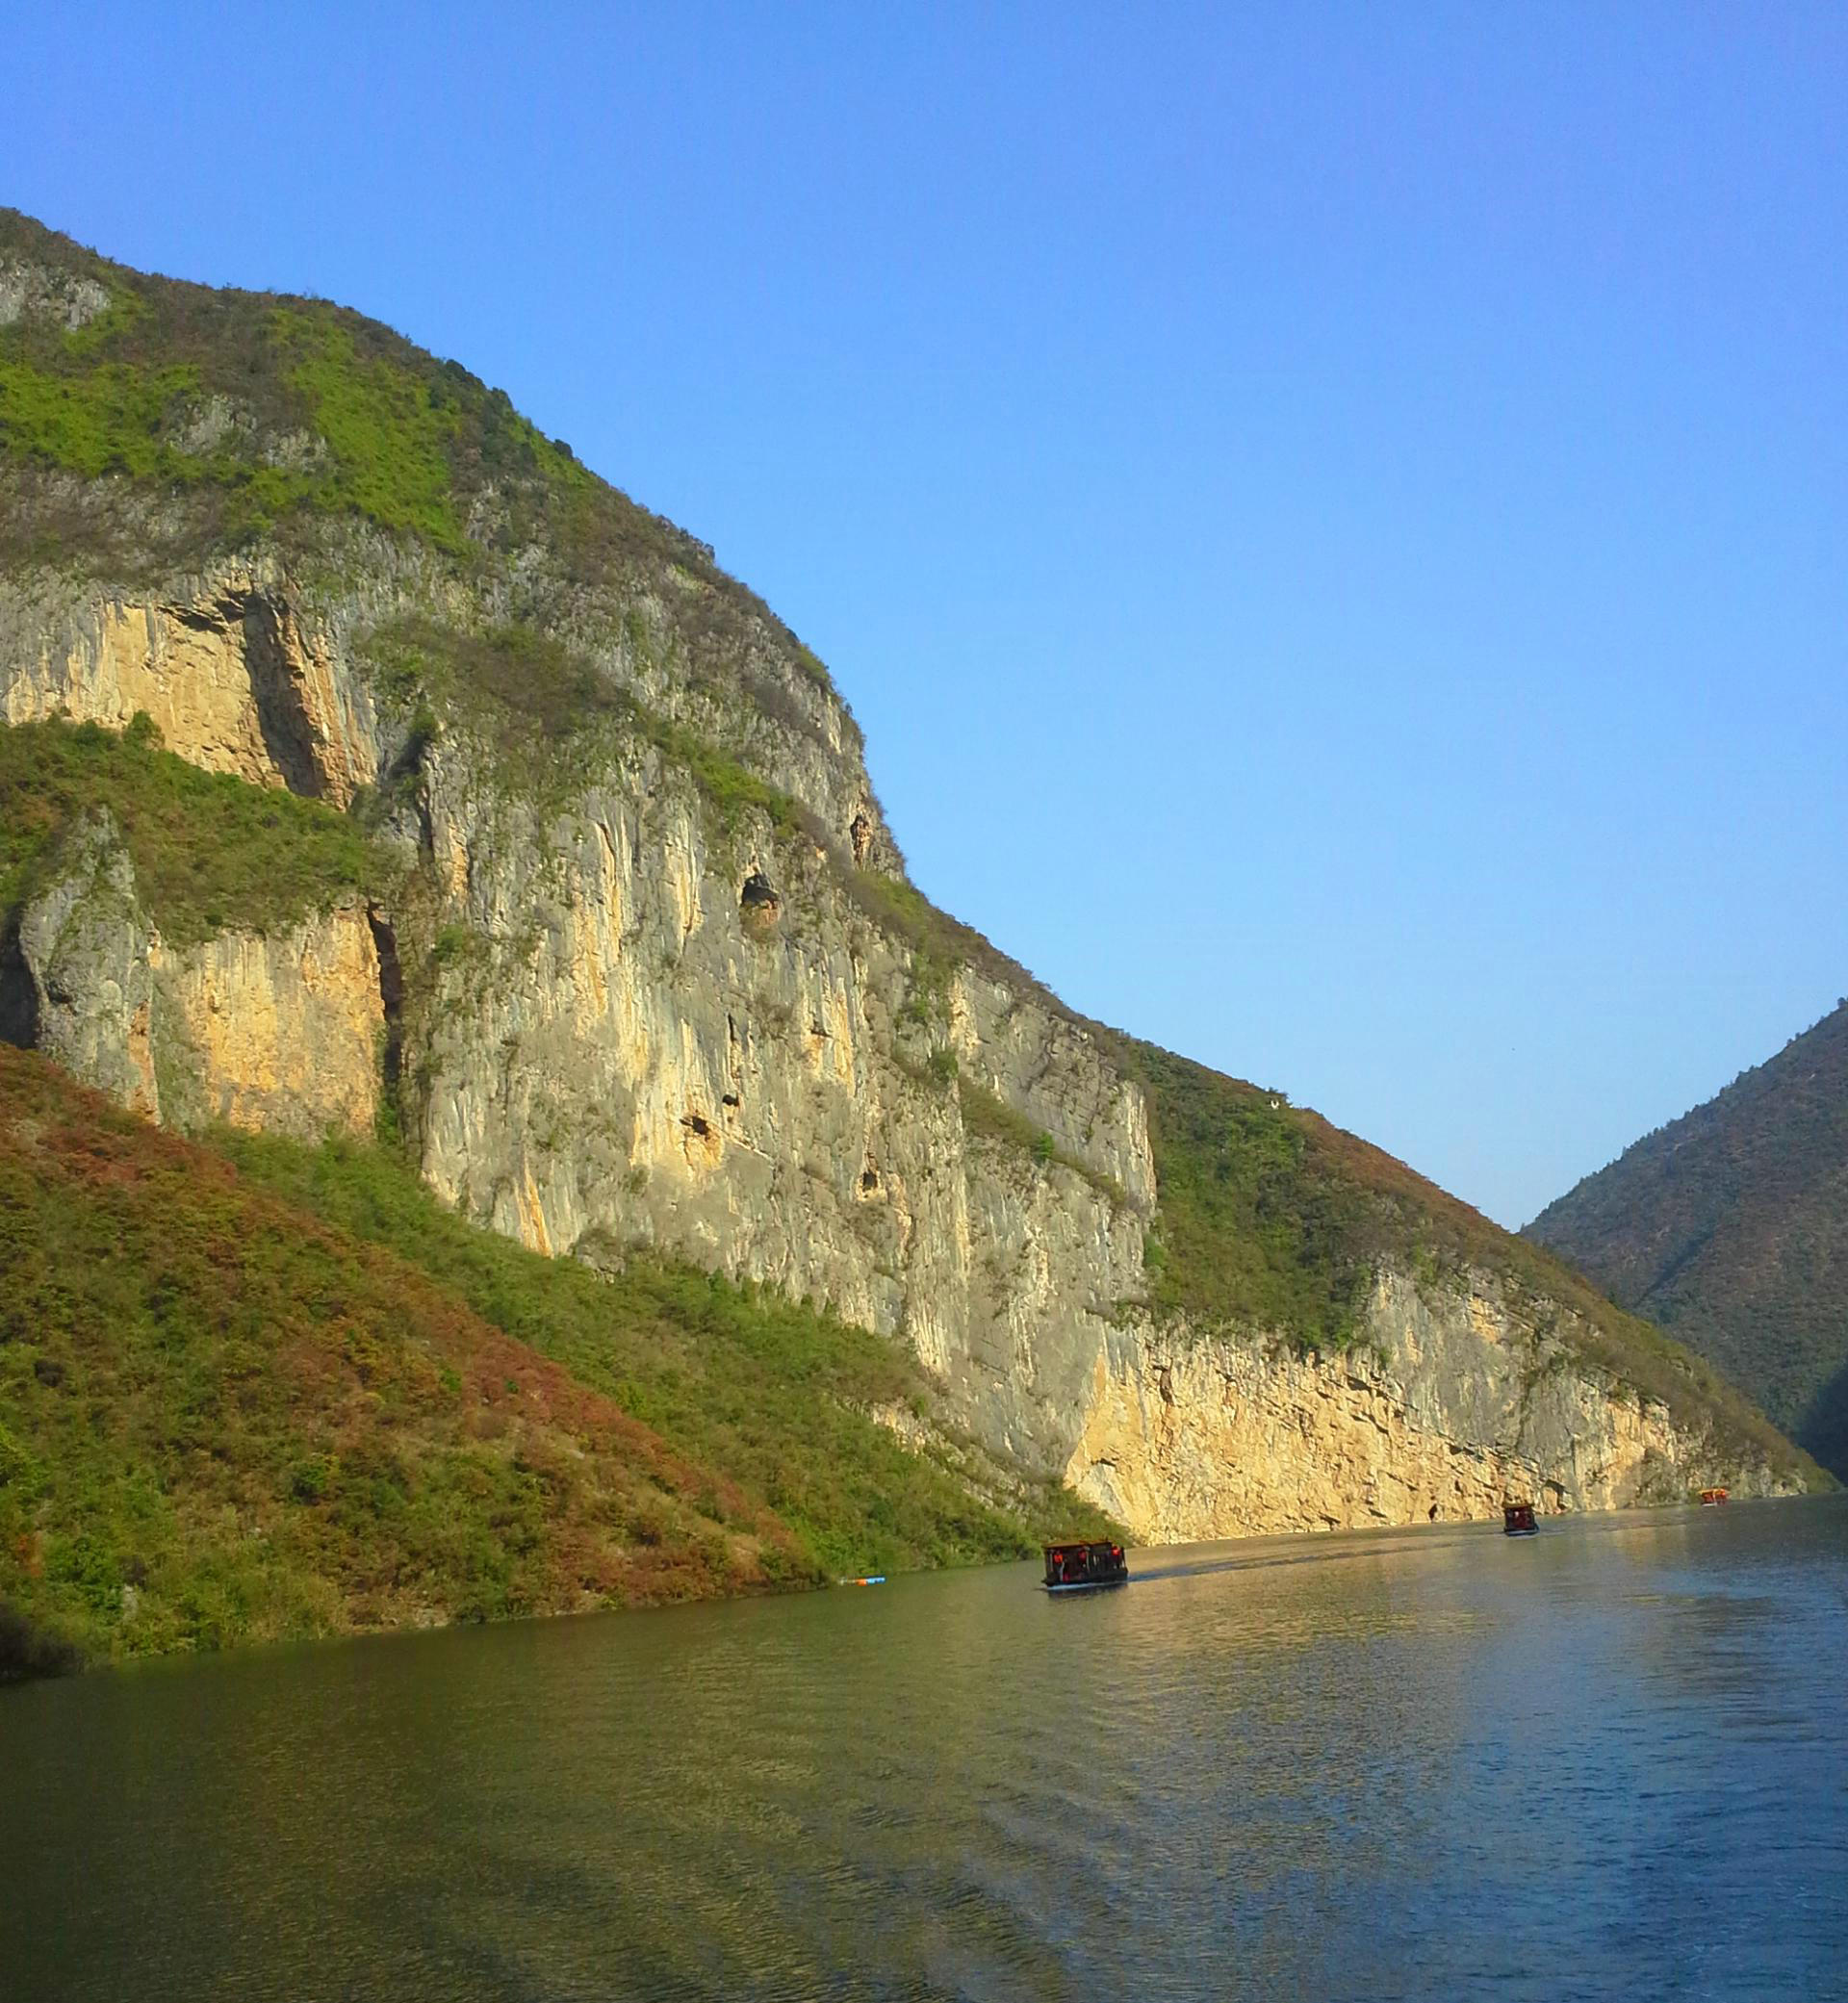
(261,413)
(1729,1226)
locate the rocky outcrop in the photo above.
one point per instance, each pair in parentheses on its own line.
(228,673)
(1452,1403)
(279,1032)
(32,290)
(76,972)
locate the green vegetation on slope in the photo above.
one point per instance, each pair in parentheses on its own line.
(285,1393)
(220,1420)
(1729,1226)
(549,718)
(274,407)
(774,1392)
(210,851)
(1254,1226)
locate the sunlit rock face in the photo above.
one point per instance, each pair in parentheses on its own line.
(1453,1405)
(225,671)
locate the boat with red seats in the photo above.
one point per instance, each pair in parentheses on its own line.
(1082,1568)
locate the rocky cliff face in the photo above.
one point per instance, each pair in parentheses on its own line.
(641,967)
(1453,1404)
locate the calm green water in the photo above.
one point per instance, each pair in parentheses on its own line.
(1606,1762)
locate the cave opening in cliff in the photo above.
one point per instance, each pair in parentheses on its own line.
(757,900)
(19,995)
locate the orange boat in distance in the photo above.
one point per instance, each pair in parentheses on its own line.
(1710,1498)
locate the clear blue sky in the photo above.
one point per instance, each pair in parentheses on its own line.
(1332,517)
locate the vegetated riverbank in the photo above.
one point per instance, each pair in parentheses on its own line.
(259,1392)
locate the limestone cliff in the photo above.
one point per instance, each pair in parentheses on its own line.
(641,969)
(631,1020)
(1453,1404)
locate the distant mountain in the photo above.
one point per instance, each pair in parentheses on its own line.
(1729,1227)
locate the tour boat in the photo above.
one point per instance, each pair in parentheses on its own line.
(1517,1520)
(1712,1496)
(1082,1568)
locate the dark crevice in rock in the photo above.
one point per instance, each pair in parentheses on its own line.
(391,998)
(225,613)
(697,1123)
(282,715)
(19,993)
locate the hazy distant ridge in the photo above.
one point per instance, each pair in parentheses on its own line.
(1729,1226)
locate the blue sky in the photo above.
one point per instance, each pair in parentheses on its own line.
(1332,517)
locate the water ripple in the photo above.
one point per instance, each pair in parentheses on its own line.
(1417,1764)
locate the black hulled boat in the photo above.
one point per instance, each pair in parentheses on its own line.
(1081,1568)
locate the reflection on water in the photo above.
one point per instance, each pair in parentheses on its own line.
(1607,1762)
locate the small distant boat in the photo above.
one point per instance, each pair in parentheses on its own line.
(1082,1568)
(1518,1520)
(1710,1498)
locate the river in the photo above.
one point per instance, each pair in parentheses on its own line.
(1608,1761)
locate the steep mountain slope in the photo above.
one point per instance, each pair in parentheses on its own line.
(374,768)
(1729,1226)
(281,1392)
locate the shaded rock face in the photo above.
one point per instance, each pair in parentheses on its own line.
(77,969)
(619,1015)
